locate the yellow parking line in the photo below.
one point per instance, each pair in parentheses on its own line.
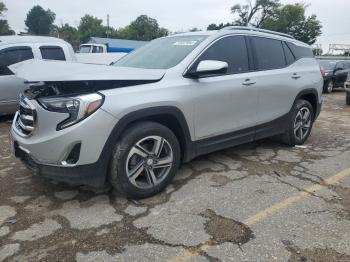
(252,220)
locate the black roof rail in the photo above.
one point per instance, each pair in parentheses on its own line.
(249,28)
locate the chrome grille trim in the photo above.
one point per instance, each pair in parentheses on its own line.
(26,117)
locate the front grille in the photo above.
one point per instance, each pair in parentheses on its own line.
(26,117)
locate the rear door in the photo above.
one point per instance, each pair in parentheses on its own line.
(276,82)
(341,74)
(11,85)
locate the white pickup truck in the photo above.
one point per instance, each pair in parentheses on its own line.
(106,50)
(15,49)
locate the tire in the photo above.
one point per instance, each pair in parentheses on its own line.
(136,169)
(328,87)
(299,118)
(348,98)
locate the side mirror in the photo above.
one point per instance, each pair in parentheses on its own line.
(209,67)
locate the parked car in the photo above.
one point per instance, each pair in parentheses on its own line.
(334,74)
(14,49)
(176,98)
(347,89)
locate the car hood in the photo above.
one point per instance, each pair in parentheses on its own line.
(56,71)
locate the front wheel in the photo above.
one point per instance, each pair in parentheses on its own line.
(300,126)
(145,160)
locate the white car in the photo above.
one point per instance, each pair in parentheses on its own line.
(178,97)
(15,49)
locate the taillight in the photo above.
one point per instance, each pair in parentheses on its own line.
(323,72)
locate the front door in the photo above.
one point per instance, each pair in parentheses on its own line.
(225,103)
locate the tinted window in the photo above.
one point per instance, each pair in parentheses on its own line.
(300,51)
(339,65)
(12,56)
(97,49)
(289,55)
(269,53)
(232,50)
(52,53)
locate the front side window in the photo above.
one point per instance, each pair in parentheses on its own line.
(269,53)
(232,50)
(162,53)
(52,53)
(10,56)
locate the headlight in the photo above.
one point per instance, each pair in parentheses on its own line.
(78,108)
(348,79)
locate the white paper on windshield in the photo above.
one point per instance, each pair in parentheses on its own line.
(185,43)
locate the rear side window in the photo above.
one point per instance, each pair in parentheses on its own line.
(13,55)
(269,53)
(290,59)
(233,50)
(97,49)
(300,51)
(52,53)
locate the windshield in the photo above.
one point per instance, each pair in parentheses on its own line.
(162,53)
(85,49)
(328,65)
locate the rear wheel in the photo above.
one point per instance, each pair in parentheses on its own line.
(348,98)
(144,160)
(300,125)
(329,86)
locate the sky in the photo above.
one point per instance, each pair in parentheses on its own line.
(178,15)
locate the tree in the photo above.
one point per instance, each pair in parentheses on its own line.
(3,8)
(143,28)
(91,26)
(40,21)
(4,26)
(291,19)
(254,14)
(69,34)
(218,26)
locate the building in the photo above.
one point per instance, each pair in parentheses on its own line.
(117,45)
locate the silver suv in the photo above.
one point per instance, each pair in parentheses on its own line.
(178,97)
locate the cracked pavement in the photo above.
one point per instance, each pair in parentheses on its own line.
(257,202)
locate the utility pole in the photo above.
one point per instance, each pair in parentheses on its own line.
(108,32)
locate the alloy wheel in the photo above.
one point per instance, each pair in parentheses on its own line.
(149,162)
(302,123)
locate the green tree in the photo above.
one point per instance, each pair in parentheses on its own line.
(4,26)
(91,26)
(40,21)
(254,13)
(143,28)
(218,26)
(291,19)
(69,34)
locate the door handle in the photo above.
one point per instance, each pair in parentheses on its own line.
(248,82)
(296,76)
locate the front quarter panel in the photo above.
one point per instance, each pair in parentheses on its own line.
(171,91)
